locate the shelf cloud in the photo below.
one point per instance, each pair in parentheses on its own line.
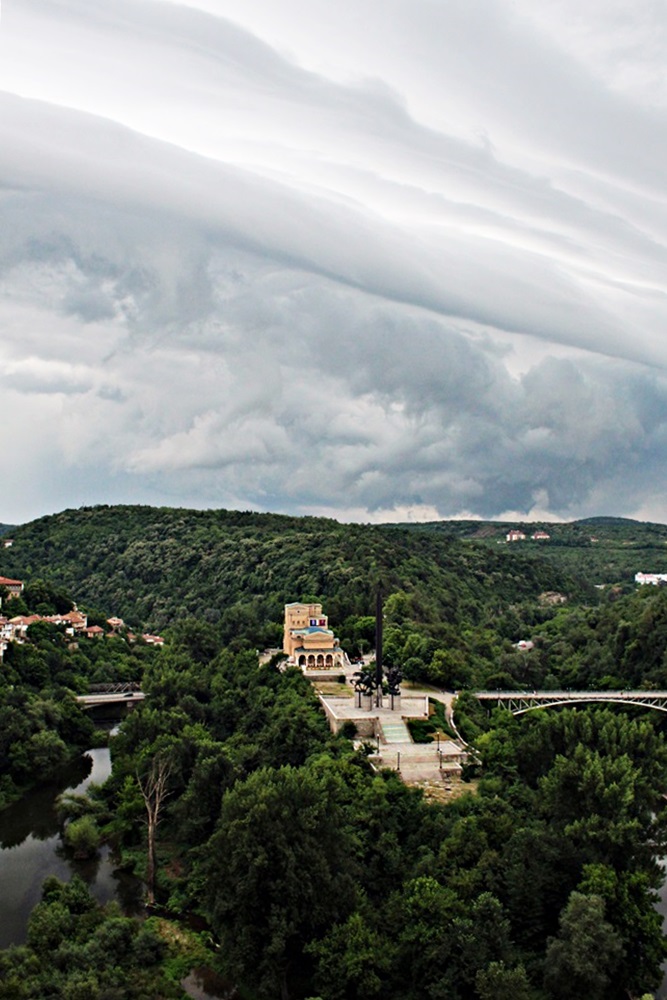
(379,261)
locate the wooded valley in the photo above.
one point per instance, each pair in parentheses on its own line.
(314,875)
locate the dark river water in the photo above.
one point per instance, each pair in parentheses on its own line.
(29,851)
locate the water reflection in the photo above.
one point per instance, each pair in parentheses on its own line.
(33,815)
(205,984)
(31,850)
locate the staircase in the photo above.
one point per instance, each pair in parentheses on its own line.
(395,731)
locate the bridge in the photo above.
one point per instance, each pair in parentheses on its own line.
(110,694)
(519,702)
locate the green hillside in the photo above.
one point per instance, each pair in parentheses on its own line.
(152,565)
(602,550)
(454,606)
(235,571)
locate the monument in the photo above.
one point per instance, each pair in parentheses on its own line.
(370,687)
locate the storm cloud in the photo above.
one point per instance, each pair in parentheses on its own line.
(378,261)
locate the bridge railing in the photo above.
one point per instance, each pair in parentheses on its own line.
(118,687)
(519,702)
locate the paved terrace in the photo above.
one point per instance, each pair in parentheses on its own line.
(429,764)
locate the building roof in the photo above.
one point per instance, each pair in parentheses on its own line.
(310,629)
(316,651)
(6,582)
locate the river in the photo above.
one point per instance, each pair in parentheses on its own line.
(30,850)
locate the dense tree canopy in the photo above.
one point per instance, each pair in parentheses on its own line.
(317,875)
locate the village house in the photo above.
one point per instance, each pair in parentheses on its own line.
(308,642)
(515,535)
(152,640)
(540,536)
(74,621)
(94,632)
(20,625)
(6,633)
(14,588)
(653,579)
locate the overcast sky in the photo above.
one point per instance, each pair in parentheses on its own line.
(373,259)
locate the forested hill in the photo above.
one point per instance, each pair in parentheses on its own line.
(154,566)
(603,550)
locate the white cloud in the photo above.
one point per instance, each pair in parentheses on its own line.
(312,257)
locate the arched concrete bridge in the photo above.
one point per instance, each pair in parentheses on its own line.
(519,702)
(111,694)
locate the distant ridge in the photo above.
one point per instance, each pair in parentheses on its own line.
(609,519)
(154,566)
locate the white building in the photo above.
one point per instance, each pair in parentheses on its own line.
(652,578)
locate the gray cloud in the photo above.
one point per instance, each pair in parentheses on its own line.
(232,271)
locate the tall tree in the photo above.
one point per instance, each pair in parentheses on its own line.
(277,872)
(582,960)
(154,785)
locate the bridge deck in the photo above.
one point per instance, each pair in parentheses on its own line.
(89,700)
(526,701)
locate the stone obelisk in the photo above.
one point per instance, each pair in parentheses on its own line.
(379,672)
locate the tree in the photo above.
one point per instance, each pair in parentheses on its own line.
(278,872)
(582,960)
(82,837)
(154,786)
(353,959)
(500,982)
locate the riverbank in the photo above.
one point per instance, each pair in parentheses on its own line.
(30,849)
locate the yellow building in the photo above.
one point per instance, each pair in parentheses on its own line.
(307,639)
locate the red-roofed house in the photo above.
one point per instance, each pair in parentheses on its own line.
(21,623)
(94,632)
(14,587)
(152,640)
